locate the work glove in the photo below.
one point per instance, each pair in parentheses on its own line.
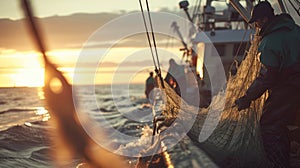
(242,103)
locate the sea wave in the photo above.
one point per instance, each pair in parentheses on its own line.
(25,146)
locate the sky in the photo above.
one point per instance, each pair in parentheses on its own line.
(44,8)
(25,68)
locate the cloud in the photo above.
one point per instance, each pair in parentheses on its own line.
(73,31)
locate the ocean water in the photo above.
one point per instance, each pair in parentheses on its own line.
(24,138)
(24,141)
(21,144)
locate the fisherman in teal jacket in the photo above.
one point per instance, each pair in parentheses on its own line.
(280,76)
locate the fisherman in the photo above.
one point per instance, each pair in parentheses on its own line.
(176,77)
(150,85)
(279,75)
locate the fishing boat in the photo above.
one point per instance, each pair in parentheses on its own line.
(227,137)
(219,44)
(216,48)
(222,139)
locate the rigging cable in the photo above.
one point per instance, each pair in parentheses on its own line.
(148,36)
(287,9)
(235,62)
(153,37)
(156,62)
(79,146)
(195,9)
(297,10)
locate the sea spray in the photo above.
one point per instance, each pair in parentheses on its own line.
(137,147)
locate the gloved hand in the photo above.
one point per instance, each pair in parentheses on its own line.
(242,103)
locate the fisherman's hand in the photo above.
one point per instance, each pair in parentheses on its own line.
(242,103)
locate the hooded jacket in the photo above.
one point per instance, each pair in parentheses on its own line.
(280,42)
(280,56)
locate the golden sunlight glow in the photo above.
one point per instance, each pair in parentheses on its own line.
(21,69)
(56,85)
(200,60)
(41,111)
(26,69)
(30,77)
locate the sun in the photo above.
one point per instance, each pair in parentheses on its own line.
(28,77)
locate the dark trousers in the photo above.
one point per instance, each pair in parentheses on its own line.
(279,111)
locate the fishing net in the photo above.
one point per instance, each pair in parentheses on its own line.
(230,137)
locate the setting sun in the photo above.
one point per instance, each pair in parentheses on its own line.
(29,77)
(21,69)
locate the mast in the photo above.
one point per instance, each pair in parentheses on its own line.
(176,28)
(241,10)
(281,6)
